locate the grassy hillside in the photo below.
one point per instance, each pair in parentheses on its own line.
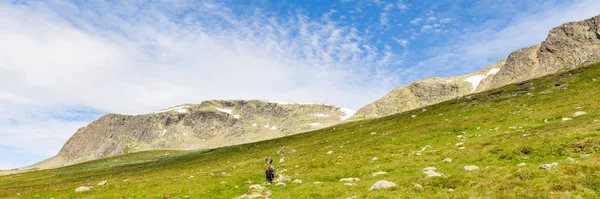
(521,123)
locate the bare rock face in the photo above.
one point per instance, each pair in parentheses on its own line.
(210,124)
(566,47)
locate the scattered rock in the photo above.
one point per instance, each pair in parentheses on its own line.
(566,119)
(383,184)
(83,188)
(349,179)
(353,197)
(459,144)
(329,152)
(447,160)
(419,186)
(378,173)
(317,183)
(471,168)
(191,177)
(584,155)
(297,181)
(430,171)
(349,184)
(280,184)
(256,187)
(102,183)
(546,121)
(374,158)
(373,133)
(461,148)
(522,164)
(579,113)
(223,173)
(414,116)
(570,159)
(548,166)
(282,178)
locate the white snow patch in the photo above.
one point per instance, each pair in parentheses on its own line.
(236,116)
(274,128)
(315,124)
(180,109)
(229,111)
(320,115)
(476,79)
(349,113)
(493,71)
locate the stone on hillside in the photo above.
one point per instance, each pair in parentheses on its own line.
(429,169)
(282,178)
(471,168)
(223,173)
(349,179)
(329,152)
(256,187)
(83,188)
(419,186)
(459,144)
(298,181)
(382,184)
(378,173)
(522,164)
(584,156)
(566,119)
(317,183)
(282,160)
(414,116)
(570,159)
(373,133)
(447,160)
(461,148)
(349,184)
(102,183)
(191,177)
(353,197)
(374,158)
(579,113)
(548,166)
(280,184)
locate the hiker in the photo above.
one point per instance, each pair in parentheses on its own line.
(270,174)
(271,161)
(266,159)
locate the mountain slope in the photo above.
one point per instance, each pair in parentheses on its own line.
(207,125)
(566,47)
(532,122)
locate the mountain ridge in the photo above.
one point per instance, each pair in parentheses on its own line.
(567,46)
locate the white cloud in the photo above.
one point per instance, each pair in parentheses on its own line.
(431,19)
(426,28)
(402,42)
(131,61)
(416,21)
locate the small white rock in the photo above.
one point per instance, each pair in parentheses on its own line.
(566,119)
(447,160)
(548,166)
(102,183)
(83,188)
(522,164)
(329,152)
(378,173)
(459,144)
(373,133)
(461,148)
(471,167)
(579,113)
(584,155)
(280,184)
(414,116)
(297,181)
(349,184)
(374,158)
(349,179)
(419,186)
(383,184)
(570,159)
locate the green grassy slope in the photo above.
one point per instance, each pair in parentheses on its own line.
(499,128)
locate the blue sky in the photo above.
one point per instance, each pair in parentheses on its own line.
(66,63)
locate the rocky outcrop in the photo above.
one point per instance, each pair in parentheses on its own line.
(566,47)
(210,124)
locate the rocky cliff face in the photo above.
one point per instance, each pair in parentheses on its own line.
(196,126)
(568,46)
